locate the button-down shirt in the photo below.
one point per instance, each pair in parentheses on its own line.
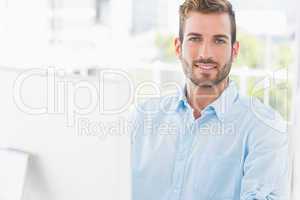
(237,149)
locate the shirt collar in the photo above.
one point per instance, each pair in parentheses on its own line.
(221,106)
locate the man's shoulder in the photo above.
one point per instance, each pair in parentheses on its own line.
(264,117)
(146,114)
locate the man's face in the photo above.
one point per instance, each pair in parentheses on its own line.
(206,52)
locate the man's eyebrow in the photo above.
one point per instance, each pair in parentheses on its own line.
(216,36)
(194,34)
(221,36)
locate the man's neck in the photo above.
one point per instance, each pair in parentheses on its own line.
(201,96)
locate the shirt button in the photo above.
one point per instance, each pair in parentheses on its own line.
(176,191)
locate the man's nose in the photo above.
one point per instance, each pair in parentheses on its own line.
(204,51)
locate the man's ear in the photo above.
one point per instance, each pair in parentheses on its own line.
(235,50)
(178,49)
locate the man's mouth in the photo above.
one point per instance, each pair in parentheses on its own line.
(206,66)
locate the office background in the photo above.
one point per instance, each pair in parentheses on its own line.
(79,38)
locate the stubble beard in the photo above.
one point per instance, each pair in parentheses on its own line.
(203,83)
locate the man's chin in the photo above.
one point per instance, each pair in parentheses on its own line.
(207,83)
(204,83)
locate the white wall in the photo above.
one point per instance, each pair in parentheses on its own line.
(295,138)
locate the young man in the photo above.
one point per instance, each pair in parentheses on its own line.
(208,143)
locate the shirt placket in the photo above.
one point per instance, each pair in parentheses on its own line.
(182,155)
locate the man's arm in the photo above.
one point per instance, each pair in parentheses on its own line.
(266,169)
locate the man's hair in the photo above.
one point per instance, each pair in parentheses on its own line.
(206,7)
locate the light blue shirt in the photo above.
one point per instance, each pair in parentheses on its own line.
(237,149)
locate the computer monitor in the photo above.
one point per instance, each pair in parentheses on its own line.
(76,151)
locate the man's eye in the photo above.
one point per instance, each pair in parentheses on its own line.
(220,41)
(194,39)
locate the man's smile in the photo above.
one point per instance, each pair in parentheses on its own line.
(206,67)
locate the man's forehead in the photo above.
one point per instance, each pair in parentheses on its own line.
(211,23)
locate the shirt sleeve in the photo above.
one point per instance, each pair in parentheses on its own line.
(266,166)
